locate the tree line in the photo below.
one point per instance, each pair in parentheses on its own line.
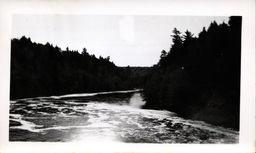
(199,77)
(44,70)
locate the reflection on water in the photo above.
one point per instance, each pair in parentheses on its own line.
(106,117)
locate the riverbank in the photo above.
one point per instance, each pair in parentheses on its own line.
(219,115)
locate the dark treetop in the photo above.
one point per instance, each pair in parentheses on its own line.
(199,78)
(44,70)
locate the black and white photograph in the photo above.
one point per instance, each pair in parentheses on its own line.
(133,79)
(127,79)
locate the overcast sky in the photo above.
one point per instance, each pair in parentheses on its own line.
(128,40)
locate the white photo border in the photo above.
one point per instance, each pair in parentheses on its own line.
(245,8)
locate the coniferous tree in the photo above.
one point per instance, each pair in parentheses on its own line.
(199,78)
(41,70)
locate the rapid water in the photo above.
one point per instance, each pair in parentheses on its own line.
(109,117)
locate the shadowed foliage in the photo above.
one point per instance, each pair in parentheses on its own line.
(199,78)
(43,70)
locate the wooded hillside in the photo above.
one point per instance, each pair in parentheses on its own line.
(43,70)
(199,77)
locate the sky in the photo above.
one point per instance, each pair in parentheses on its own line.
(133,40)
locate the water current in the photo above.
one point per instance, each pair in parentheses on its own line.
(107,116)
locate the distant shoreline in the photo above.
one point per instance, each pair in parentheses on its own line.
(82,94)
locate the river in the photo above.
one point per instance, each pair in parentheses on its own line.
(106,116)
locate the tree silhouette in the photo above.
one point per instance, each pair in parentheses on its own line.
(188,35)
(199,78)
(41,70)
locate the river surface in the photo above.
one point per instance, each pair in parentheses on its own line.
(107,116)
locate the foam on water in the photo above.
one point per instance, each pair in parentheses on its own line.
(95,120)
(25,125)
(100,125)
(161,115)
(92,94)
(204,126)
(136,101)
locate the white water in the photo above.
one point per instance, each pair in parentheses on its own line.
(74,120)
(91,94)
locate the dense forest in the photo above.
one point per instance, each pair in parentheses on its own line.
(44,70)
(199,77)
